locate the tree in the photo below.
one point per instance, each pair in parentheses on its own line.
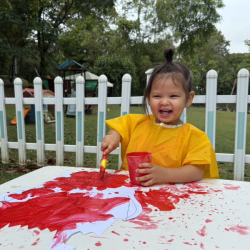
(210,55)
(114,67)
(15,28)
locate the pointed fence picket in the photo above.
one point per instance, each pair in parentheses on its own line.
(211,99)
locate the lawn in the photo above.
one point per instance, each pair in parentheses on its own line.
(225,132)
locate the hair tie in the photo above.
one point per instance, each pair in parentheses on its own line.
(168,53)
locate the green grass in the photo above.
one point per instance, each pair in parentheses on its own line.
(225,132)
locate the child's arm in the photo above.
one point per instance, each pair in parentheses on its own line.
(158,174)
(110,141)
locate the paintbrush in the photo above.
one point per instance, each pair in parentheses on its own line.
(104,162)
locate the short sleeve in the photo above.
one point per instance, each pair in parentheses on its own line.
(125,126)
(201,152)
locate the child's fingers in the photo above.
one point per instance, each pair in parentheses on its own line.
(146,165)
(144,178)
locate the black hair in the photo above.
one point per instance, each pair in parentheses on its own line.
(177,70)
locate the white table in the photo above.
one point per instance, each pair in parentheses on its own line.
(219,219)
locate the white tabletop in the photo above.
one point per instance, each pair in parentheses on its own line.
(210,214)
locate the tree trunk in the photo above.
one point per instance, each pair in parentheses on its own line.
(11,71)
(235,82)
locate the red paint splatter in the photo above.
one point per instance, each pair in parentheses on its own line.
(36,232)
(115,232)
(231,187)
(98,244)
(35,243)
(202,246)
(125,240)
(207,221)
(194,185)
(202,232)
(187,243)
(239,229)
(61,211)
(144,242)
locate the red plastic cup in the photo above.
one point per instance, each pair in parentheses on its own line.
(134,160)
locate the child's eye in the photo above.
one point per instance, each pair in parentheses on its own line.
(174,95)
(157,96)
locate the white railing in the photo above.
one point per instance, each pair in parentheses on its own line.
(210,99)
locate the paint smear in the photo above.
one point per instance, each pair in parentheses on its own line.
(62,211)
(208,221)
(239,229)
(231,187)
(202,232)
(98,244)
(115,232)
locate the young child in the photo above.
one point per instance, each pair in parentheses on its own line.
(180,152)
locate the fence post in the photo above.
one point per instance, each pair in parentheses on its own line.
(18,85)
(102,110)
(125,104)
(80,95)
(148,73)
(3,126)
(126,93)
(39,121)
(241,122)
(59,121)
(211,96)
(184,115)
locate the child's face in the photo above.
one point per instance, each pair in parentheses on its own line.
(167,100)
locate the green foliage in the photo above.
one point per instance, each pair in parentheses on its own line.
(114,67)
(210,55)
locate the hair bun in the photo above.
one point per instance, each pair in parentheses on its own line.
(168,54)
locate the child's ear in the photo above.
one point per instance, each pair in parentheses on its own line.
(190,99)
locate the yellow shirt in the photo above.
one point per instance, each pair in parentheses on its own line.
(170,147)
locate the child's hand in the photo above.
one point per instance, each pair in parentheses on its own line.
(110,142)
(155,174)
(158,174)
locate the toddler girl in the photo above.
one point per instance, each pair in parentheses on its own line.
(180,152)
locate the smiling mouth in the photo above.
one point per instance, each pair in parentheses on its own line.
(165,112)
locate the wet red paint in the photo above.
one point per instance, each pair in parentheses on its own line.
(187,243)
(231,187)
(239,229)
(36,232)
(202,232)
(207,221)
(98,244)
(202,246)
(125,240)
(115,232)
(35,243)
(61,211)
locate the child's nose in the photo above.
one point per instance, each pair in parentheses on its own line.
(165,102)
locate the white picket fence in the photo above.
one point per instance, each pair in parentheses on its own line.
(210,99)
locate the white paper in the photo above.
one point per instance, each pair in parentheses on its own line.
(126,211)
